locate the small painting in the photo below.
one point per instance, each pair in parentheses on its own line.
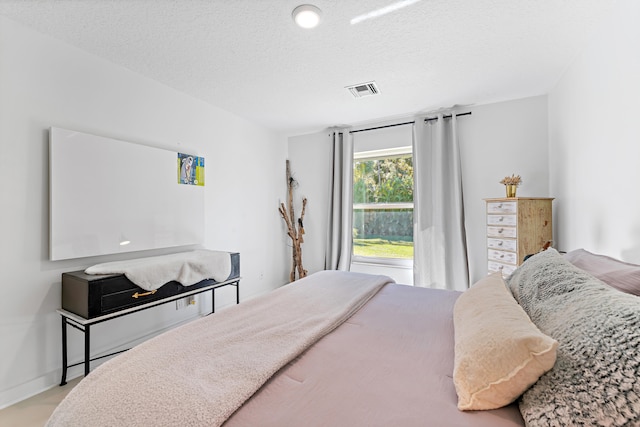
(190,169)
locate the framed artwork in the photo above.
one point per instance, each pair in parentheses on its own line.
(190,169)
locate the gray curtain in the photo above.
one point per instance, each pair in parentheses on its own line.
(340,229)
(439,237)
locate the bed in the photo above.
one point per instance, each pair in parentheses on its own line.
(349,349)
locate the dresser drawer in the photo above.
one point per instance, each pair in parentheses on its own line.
(506,269)
(503,256)
(118,301)
(504,244)
(502,220)
(496,231)
(502,207)
(516,227)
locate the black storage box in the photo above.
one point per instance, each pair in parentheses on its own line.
(94,295)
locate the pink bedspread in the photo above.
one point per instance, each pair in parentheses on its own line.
(390,364)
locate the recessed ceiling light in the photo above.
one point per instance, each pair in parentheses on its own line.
(306,16)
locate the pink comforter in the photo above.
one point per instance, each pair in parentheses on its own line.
(390,364)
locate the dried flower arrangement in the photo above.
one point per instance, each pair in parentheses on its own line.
(511,180)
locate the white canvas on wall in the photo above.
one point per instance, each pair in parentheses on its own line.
(105,192)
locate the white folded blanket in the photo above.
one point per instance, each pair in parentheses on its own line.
(187,268)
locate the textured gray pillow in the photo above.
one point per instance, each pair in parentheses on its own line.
(596,378)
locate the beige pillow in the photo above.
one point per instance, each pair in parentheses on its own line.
(499,352)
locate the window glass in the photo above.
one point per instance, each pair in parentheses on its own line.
(383,204)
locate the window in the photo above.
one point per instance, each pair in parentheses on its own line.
(383,206)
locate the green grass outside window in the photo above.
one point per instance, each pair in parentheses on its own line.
(384,247)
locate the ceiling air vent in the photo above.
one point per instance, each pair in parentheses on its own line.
(363,89)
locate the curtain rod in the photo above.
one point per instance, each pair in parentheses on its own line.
(382,127)
(428,119)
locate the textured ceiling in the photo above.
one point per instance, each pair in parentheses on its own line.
(248,57)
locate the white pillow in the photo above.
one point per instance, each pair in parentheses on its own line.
(499,352)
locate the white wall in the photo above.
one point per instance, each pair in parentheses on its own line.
(381,139)
(43,83)
(595,141)
(310,159)
(495,141)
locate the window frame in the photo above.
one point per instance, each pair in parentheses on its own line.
(386,153)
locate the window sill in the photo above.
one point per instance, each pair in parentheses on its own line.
(405,264)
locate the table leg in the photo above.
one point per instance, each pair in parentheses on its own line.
(237,292)
(87,352)
(213,300)
(63,381)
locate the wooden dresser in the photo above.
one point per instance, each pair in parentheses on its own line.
(516,227)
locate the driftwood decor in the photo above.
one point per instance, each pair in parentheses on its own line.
(295,229)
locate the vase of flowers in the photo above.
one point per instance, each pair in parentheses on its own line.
(511,184)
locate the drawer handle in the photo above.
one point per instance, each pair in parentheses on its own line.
(500,243)
(501,219)
(500,230)
(144,294)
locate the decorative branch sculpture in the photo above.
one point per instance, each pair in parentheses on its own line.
(295,233)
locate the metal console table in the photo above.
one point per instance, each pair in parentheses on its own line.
(84,325)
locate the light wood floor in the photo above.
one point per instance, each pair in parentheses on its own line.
(35,411)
